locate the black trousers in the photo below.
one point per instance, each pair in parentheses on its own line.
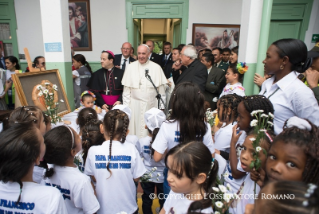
(148,188)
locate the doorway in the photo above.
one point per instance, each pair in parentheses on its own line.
(172,15)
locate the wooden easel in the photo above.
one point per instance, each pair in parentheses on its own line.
(31,69)
(28,58)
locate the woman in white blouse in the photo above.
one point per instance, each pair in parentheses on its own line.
(290,97)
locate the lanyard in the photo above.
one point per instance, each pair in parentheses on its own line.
(272,93)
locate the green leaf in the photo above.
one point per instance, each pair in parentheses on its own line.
(252,164)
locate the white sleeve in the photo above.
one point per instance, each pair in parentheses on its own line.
(208,139)
(161,90)
(306,106)
(239,92)
(160,142)
(126,96)
(75,73)
(57,204)
(139,168)
(89,164)
(85,198)
(222,139)
(139,148)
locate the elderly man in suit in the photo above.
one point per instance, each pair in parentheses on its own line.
(121,61)
(216,80)
(195,72)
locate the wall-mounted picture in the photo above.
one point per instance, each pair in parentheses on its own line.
(211,36)
(80,25)
(42,89)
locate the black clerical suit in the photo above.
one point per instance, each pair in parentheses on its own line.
(156,58)
(196,73)
(215,83)
(101,78)
(117,60)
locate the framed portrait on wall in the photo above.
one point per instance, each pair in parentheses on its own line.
(80,25)
(211,36)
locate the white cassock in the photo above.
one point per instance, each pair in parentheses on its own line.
(139,93)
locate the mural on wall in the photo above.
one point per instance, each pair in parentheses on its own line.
(211,36)
(80,25)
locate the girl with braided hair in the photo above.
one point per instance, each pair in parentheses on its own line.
(31,115)
(62,144)
(234,171)
(227,114)
(85,115)
(294,154)
(115,165)
(91,136)
(21,147)
(293,197)
(285,59)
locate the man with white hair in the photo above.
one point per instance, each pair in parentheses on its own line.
(139,93)
(196,71)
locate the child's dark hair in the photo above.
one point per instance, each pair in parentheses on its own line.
(192,159)
(188,109)
(233,68)
(91,136)
(296,201)
(4,118)
(153,133)
(85,96)
(19,149)
(258,102)
(26,114)
(309,142)
(59,142)
(229,101)
(85,115)
(36,61)
(115,124)
(81,58)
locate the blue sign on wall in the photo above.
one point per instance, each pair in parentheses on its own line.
(53,47)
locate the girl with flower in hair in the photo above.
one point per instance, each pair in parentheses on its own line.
(88,101)
(234,78)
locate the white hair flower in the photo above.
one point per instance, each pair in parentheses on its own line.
(215,189)
(222,188)
(264,115)
(253,123)
(258,149)
(252,139)
(253,113)
(270,123)
(219,204)
(271,115)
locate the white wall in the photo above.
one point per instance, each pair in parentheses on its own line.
(213,12)
(313,27)
(29,27)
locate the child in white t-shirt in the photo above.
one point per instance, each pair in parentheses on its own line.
(234,78)
(153,119)
(91,136)
(31,114)
(21,147)
(191,174)
(62,144)
(227,114)
(186,123)
(114,166)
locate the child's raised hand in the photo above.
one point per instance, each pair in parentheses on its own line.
(235,135)
(258,176)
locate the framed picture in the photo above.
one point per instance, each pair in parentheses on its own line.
(26,89)
(211,36)
(80,25)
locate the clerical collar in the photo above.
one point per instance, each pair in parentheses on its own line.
(110,69)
